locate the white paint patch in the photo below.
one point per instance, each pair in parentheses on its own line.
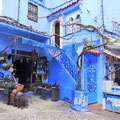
(1,7)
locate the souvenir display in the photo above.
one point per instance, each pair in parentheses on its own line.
(5,66)
(21,101)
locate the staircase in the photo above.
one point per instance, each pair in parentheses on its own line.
(68,78)
(95,106)
(67,63)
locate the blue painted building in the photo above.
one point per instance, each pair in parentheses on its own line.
(38,20)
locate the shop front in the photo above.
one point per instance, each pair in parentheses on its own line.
(111,82)
(28,63)
(33,62)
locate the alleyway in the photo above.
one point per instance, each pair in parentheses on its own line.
(47,110)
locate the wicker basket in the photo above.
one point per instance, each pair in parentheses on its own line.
(19,87)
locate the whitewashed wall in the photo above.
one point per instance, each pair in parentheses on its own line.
(1,7)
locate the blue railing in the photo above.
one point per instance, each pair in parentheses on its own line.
(67,62)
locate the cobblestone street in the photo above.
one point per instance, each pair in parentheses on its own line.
(39,109)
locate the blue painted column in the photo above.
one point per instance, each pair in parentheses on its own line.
(100,77)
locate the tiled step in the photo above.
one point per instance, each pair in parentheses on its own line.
(95,106)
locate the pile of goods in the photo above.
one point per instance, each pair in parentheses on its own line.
(43,90)
(55,92)
(46,91)
(14,96)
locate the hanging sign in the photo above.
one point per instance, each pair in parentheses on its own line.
(107,58)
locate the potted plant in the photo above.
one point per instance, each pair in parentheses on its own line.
(79,97)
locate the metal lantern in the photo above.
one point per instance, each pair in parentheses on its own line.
(5,66)
(9,56)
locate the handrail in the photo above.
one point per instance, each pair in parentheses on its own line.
(67,62)
(64,52)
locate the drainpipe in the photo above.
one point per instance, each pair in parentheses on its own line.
(18,18)
(102,10)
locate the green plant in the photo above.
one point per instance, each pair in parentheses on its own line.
(115,41)
(80,90)
(85,40)
(88,43)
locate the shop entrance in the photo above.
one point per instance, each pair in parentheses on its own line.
(23,70)
(117,74)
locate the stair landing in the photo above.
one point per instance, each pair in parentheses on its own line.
(94,106)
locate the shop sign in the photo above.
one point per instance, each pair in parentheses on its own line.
(113,103)
(107,58)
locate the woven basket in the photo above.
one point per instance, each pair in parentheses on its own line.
(19,87)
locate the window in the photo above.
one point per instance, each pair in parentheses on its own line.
(73,28)
(78,20)
(69,28)
(32,12)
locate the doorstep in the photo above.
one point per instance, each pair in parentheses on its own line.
(94,106)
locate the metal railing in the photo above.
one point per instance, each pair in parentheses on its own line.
(66,61)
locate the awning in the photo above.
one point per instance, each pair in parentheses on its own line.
(112,53)
(36,38)
(8,29)
(115,46)
(93,51)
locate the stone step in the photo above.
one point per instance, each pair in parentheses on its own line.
(94,106)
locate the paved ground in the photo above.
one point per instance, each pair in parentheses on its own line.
(47,110)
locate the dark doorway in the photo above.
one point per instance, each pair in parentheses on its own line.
(57,31)
(23,70)
(117,74)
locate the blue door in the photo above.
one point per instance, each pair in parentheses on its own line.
(91,84)
(90,76)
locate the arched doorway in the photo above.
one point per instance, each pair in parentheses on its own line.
(57,31)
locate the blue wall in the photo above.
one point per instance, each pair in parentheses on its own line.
(91,14)
(111,13)
(11,10)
